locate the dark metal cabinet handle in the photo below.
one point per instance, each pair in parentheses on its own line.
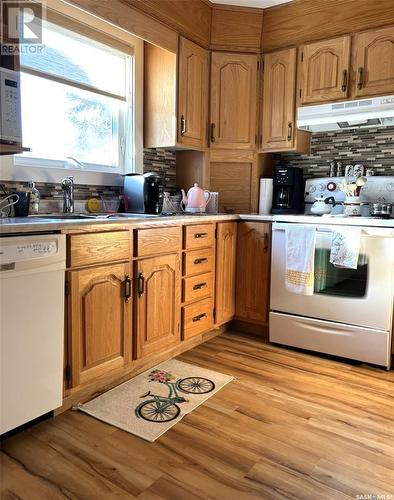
(344,80)
(201,235)
(289,131)
(198,286)
(141,284)
(213,132)
(201,260)
(183,125)
(127,288)
(360,78)
(199,317)
(266,242)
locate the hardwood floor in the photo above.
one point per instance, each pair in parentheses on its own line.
(291,425)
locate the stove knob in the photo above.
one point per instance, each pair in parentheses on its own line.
(322,187)
(312,189)
(331,186)
(390,186)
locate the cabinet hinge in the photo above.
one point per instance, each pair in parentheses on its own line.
(67,373)
(302,56)
(258,65)
(66,288)
(214,314)
(216,233)
(300,92)
(262,64)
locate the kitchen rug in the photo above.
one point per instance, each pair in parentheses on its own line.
(152,402)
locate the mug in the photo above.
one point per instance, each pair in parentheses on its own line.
(21,207)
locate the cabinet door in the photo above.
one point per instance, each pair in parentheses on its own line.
(279,100)
(253,272)
(226,251)
(192,94)
(373,62)
(157,304)
(325,70)
(233,100)
(99,320)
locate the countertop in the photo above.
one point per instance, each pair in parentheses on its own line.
(12,225)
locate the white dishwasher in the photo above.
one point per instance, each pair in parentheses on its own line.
(31,326)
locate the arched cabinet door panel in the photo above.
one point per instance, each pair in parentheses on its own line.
(157,298)
(193,83)
(100,321)
(373,62)
(278,125)
(226,252)
(233,101)
(325,70)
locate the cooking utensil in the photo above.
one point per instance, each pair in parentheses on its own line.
(381,209)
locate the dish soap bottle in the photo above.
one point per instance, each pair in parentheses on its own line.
(34,198)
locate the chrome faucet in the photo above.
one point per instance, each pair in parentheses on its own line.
(68,194)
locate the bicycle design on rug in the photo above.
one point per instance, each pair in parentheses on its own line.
(161,409)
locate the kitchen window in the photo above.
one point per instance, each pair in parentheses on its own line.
(78,102)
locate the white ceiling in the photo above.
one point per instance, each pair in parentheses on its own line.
(261,4)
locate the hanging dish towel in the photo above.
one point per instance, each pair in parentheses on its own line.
(300,259)
(345,247)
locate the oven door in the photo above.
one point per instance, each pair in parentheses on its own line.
(363,296)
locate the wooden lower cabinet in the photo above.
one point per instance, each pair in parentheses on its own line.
(226,253)
(99,321)
(157,299)
(253,272)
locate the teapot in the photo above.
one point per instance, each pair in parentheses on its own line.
(323,205)
(196,199)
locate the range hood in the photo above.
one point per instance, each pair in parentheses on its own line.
(376,112)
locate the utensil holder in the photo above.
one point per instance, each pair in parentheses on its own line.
(352,206)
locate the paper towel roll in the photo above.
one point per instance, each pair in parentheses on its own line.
(265,201)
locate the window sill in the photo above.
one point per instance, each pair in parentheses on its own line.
(14,170)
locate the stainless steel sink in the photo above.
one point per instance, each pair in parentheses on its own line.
(63,216)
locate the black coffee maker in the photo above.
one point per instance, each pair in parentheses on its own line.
(288,191)
(143,193)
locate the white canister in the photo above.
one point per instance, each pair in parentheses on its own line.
(265,201)
(352,205)
(213,203)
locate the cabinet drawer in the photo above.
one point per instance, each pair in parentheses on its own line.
(96,248)
(197,287)
(157,240)
(199,236)
(197,318)
(198,261)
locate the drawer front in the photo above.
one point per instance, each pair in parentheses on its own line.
(199,236)
(97,248)
(197,287)
(197,318)
(198,261)
(157,240)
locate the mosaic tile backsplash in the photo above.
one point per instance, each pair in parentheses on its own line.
(374,148)
(155,160)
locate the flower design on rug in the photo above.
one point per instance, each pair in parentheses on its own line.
(160,376)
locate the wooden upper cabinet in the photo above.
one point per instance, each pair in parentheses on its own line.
(279,100)
(233,100)
(253,272)
(226,252)
(100,321)
(158,287)
(325,70)
(373,62)
(193,84)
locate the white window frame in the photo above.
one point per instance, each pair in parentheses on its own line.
(20,168)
